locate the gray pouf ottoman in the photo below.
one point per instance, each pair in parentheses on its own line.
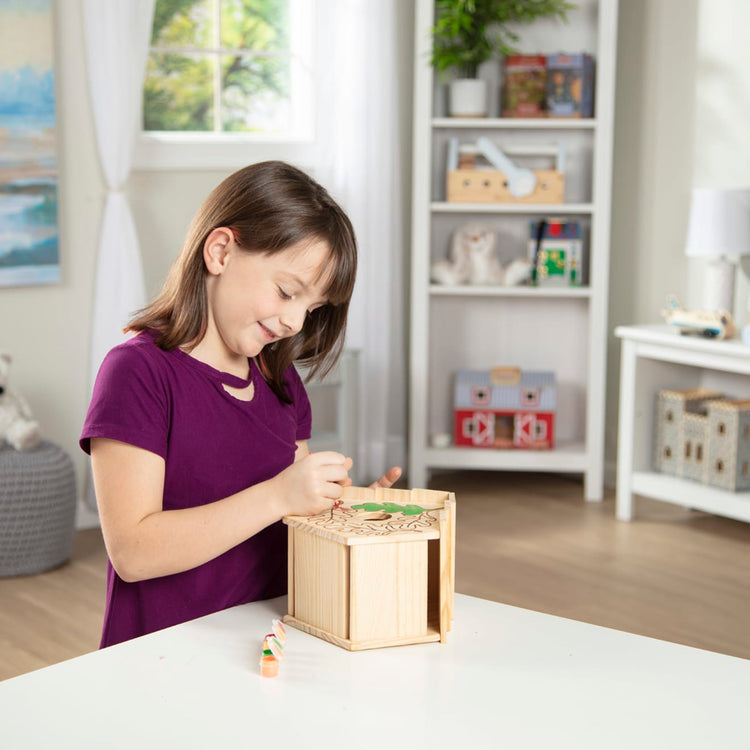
(37,508)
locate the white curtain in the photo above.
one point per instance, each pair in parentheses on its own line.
(359,161)
(117,35)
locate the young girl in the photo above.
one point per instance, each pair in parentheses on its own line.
(198,424)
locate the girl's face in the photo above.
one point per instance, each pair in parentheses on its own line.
(255,299)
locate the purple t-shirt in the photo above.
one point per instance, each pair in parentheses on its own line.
(214,445)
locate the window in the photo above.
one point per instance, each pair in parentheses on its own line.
(224,75)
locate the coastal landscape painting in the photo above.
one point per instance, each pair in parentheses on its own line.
(29,251)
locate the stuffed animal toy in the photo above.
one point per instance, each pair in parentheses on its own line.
(17,425)
(517,272)
(480,242)
(454,270)
(473,259)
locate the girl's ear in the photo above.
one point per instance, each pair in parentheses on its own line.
(216,249)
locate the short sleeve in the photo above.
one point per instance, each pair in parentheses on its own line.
(301,402)
(130,401)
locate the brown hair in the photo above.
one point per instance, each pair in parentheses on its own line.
(269,206)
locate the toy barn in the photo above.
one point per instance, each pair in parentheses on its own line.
(505,408)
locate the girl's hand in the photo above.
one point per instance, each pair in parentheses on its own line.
(392,475)
(313,483)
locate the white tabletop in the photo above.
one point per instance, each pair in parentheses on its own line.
(507,678)
(666,335)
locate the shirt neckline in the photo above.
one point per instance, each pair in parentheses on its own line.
(223,377)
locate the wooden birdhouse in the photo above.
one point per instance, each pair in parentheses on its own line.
(377,571)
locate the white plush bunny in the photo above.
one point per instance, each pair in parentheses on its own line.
(472,258)
(480,242)
(17,425)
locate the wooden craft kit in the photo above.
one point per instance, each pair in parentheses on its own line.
(505,407)
(481,172)
(377,570)
(704,436)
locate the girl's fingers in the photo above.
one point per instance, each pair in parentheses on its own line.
(391,476)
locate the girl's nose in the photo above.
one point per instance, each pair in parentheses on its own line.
(293,318)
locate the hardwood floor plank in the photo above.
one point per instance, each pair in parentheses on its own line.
(56,615)
(533,542)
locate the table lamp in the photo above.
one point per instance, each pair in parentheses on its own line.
(719,229)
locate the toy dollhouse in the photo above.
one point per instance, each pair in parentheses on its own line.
(729,444)
(703,436)
(376,571)
(504,408)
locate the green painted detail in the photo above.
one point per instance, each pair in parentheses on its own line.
(267,652)
(407,510)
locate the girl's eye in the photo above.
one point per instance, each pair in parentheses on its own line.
(283,294)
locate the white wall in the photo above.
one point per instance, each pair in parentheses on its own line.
(722,114)
(46,328)
(682,108)
(653,164)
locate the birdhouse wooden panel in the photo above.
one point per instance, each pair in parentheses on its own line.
(377,571)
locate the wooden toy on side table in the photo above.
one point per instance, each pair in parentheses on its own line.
(376,571)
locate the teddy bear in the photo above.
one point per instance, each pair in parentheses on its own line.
(17,425)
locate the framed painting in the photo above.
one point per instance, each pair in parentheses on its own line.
(29,252)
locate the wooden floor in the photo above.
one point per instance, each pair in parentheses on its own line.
(526,540)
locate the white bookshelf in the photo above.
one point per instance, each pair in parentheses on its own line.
(479,327)
(334,404)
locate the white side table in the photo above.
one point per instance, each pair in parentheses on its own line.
(655,357)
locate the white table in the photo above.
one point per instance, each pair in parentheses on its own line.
(655,357)
(507,678)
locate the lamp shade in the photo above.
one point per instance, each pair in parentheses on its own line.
(719,222)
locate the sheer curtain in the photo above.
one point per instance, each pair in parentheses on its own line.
(117,35)
(358,160)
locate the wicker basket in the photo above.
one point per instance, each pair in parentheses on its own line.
(37,508)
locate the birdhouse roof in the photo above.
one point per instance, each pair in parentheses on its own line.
(379,516)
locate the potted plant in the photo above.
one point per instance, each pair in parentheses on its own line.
(469,32)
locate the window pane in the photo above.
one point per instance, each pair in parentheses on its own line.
(258,25)
(183,23)
(255,94)
(178,93)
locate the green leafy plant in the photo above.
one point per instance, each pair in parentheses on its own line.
(469,32)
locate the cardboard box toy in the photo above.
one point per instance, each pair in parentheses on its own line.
(570,85)
(377,571)
(525,86)
(505,408)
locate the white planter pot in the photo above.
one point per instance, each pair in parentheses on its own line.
(468,97)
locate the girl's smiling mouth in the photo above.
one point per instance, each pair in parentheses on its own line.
(268,333)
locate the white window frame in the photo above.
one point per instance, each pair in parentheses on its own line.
(192,151)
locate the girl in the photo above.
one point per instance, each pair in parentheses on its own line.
(198,424)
